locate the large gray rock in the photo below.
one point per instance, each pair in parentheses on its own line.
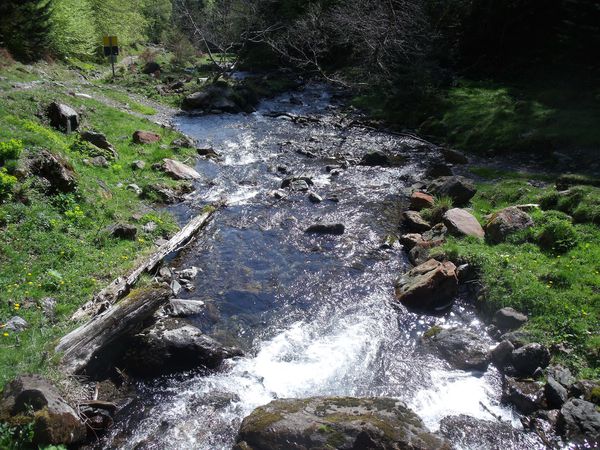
(506,222)
(459,188)
(507,319)
(170,346)
(63,117)
(178,170)
(556,394)
(16,324)
(336,422)
(526,396)
(213,97)
(429,285)
(462,223)
(54,421)
(462,348)
(470,433)
(56,169)
(580,422)
(528,358)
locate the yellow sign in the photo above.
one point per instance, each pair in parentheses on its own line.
(110,41)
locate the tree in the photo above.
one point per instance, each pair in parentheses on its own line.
(73,29)
(25,27)
(123,19)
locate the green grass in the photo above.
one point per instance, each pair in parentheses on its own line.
(558,287)
(57,246)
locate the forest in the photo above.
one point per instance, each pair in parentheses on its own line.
(333,223)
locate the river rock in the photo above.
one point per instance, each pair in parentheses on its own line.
(459,188)
(580,422)
(420,200)
(462,223)
(100,141)
(215,96)
(99,161)
(98,415)
(323,228)
(63,117)
(170,346)
(462,348)
(429,285)
(526,396)
(528,358)
(506,222)
(183,142)
(165,194)
(507,319)
(178,170)
(297,183)
(419,254)
(556,394)
(145,137)
(207,152)
(375,159)
(438,169)
(410,240)
(56,170)
(336,422)
(184,308)
(123,231)
(562,375)
(454,156)
(314,197)
(414,222)
(470,433)
(502,354)
(55,422)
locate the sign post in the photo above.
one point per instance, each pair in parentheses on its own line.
(111,49)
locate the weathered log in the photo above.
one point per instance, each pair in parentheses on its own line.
(95,341)
(122,285)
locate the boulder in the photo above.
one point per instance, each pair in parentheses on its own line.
(178,170)
(420,200)
(438,169)
(579,421)
(462,348)
(54,421)
(562,375)
(56,170)
(336,422)
(151,67)
(506,222)
(454,156)
(100,141)
(526,396)
(419,254)
(16,324)
(429,285)
(183,142)
(63,117)
(375,159)
(197,100)
(410,240)
(414,222)
(586,390)
(556,394)
(99,161)
(314,197)
(467,432)
(184,308)
(323,228)
(166,194)
(507,319)
(297,183)
(123,231)
(214,97)
(501,354)
(138,164)
(462,223)
(528,358)
(145,137)
(170,346)
(459,188)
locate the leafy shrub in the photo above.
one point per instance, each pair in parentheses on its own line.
(582,202)
(557,235)
(440,206)
(88,149)
(10,150)
(7,184)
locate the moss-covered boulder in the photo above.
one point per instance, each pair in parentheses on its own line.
(336,422)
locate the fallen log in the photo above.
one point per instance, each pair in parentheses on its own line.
(93,345)
(122,285)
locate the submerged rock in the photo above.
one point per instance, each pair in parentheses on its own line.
(322,228)
(462,348)
(336,422)
(170,346)
(526,396)
(54,421)
(429,285)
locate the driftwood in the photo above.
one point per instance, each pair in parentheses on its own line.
(122,285)
(90,343)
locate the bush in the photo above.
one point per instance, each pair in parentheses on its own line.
(436,212)
(557,235)
(7,184)
(10,150)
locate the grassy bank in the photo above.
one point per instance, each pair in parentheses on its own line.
(57,246)
(550,271)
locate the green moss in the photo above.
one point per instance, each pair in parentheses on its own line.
(433,331)
(261,419)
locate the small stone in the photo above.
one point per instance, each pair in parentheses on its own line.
(100,141)
(459,188)
(135,188)
(278,194)
(138,164)
(410,240)
(16,324)
(184,308)
(314,197)
(145,137)
(507,319)
(99,161)
(178,170)
(429,285)
(63,117)
(149,227)
(506,222)
(183,142)
(175,287)
(189,273)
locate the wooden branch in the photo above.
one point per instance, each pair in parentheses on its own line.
(91,342)
(121,286)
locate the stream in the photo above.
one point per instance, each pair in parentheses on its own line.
(314,314)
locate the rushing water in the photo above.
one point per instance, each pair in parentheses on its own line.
(315,314)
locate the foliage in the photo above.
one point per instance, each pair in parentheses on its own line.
(440,206)
(73,31)
(557,235)
(25,27)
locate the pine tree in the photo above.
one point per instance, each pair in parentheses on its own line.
(25,27)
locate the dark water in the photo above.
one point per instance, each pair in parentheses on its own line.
(314,314)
